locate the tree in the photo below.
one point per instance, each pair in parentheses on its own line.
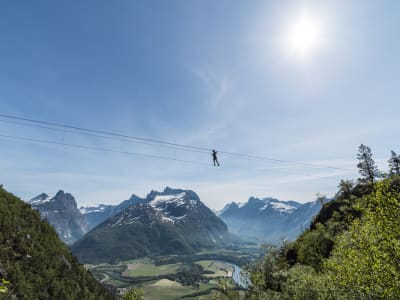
(345,188)
(133,294)
(366,165)
(394,164)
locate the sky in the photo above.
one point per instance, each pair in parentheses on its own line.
(303,81)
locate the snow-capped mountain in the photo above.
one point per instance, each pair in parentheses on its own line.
(268,219)
(170,222)
(61,211)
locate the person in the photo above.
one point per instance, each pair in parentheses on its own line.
(215,159)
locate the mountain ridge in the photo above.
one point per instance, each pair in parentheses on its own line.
(268,219)
(173,221)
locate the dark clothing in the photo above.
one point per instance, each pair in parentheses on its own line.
(215,159)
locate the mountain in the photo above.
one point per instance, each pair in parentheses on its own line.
(35,261)
(61,211)
(94,215)
(170,222)
(268,219)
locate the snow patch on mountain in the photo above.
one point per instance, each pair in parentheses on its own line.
(279,206)
(92,209)
(178,199)
(42,198)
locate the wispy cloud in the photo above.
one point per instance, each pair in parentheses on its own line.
(215,86)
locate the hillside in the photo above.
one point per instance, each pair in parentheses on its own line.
(350,251)
(169,222)
(35,261)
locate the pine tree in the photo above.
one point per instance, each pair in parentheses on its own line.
(366,165)
(345,188)
(394,164)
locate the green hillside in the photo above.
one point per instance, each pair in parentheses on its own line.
(35,261)
(350,251)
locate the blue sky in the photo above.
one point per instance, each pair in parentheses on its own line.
(214,74)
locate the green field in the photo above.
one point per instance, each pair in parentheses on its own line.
(171,292)
(149,269)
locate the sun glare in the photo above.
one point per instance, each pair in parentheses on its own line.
(304,35)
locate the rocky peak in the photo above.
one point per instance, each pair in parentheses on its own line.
(65,200)
(177,193)
(62,212)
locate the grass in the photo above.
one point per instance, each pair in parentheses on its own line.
(160,292)
(143,270)
(166,282)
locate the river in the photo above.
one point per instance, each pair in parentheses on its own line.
(242,280)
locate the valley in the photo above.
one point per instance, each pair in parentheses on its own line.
(178,277)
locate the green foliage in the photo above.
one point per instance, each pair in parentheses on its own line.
(314,246)
(302,284)
(366,260)
(37,263)
(226,291)
(345,189)
(4,285)
(268,273)
(351,251)
(133,294)
(189,274)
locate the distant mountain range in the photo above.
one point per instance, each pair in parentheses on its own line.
(268,219)
(170,222)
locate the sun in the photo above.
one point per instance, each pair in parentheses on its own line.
(304,35)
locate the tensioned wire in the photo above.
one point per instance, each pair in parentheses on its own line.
(147,141)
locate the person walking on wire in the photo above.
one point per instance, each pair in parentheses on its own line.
(215,159)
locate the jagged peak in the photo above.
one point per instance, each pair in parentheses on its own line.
(43,197)
(61,199)
(59,193)
(232,205)
(134,197)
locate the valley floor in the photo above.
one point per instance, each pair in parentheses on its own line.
(176,277)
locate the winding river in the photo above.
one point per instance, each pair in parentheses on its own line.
(240,279)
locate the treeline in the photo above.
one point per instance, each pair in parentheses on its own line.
(350,251)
